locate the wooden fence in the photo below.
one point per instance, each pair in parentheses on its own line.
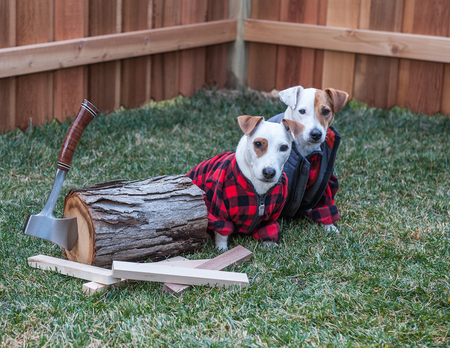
(54,53)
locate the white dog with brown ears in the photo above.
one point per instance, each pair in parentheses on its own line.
(315,109)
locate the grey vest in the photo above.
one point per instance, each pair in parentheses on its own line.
(297,167)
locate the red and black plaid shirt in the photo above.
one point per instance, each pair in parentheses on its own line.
(325,211)
(232,202)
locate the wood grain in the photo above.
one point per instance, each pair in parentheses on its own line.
(181,275)
(339,67)
(192,61)
(69,85)
(376,77)
(235,256)
(34,92)
(421,83)
(73,269)
(165,67)
(134,91)
(262,57)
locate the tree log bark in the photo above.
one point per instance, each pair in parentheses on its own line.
(136,220)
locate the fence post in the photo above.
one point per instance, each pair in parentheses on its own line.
(237,66)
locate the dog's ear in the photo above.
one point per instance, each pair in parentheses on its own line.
(294,127)
(290,96)
(339,98)
(248,123)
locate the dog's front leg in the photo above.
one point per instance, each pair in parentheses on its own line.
(221,241)
(331,228)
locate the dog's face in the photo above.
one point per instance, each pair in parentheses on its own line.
(266,146)
(315,109)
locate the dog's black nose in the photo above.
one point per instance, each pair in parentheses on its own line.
(315,134)
(269,173)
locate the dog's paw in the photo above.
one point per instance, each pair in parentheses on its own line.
(269,244)
(221,242)
(331,228)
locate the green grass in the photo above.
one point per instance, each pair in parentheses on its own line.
(383,281)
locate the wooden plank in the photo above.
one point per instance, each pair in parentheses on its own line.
(381,43)
(262,58)
(73,269)
(33,92)
(217,55)
(421,83)
(43,57)
(376,77)
(338,67)
(190,276)
(165,67)
(7,85)
(192,61)
(318,65)
(177,261)
(134,70)
(235,256)
(68,83)
(295,65)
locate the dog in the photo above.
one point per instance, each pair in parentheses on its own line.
(315,109)
(245,190)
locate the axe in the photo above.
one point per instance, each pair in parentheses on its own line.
(63,232)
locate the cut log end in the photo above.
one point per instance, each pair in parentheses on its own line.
(133,221)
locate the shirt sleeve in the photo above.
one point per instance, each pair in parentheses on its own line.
(325,211)
(219,225)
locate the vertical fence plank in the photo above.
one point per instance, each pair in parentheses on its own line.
(134,70)
(421,83)
(34,91)
(102,76)
(7,85)
(216,55)
(445,101)
(339,67)
(192,61)
(165,66)
(69,84)
(376,77)
(295,65)
(262,58)
(318,65)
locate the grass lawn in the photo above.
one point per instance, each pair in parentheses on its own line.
(383,281)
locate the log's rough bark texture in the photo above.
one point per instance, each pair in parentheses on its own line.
(136,220)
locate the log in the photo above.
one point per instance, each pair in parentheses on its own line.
(138,220)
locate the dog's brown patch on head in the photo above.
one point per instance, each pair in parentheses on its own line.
(323,108)
(260,145)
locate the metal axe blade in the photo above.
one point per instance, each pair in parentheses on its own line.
(63,232)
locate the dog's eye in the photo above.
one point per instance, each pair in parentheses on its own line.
(257,144)
(284,148)
(325,112)
(302,111)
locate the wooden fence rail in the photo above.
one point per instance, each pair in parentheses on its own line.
(54,53)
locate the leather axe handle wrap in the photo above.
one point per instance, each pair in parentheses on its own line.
(86,114)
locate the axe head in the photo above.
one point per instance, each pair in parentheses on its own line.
(63,232)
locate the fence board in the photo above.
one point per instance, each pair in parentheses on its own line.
(102,77)
(445,101)
(217,55)
(69,84)
(165,67)
(376,77)
(7,85)
(318,65)
(34,92)
(262,58)
(134,91)
(192,61)
(339,67)
(421,83)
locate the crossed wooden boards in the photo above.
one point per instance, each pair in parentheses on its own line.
(177,273)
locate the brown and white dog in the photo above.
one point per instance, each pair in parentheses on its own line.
(315,109)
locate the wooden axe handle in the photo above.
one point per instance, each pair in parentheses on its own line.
(86,114)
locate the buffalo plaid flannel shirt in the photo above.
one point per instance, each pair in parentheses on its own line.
(232,202)
(325,211)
